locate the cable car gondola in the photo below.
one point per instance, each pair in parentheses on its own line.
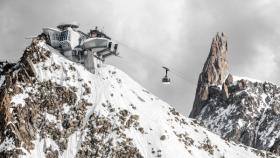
(165,79)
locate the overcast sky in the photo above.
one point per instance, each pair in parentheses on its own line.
(176,34)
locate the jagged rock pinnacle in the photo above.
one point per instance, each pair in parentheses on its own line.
(215,69)
(214,72)
(239,109)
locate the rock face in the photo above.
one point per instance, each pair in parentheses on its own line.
(239,109)
(52,107)
(4,66)
(214,72)
(18,128)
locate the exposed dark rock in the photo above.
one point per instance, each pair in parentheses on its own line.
(29,66)
(243,111)
(229,80)
(5,66)
(19,125)
(214,72)
(225,91)
(163,137)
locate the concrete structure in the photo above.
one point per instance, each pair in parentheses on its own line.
(88,49)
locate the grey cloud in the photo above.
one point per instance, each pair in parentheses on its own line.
(172,33)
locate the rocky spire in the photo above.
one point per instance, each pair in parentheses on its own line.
(214,72)
(215,69)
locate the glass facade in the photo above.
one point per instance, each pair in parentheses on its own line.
(64,36)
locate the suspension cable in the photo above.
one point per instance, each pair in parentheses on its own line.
(154,62)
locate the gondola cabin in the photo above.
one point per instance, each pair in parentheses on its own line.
(166,79)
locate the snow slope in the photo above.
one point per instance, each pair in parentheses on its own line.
(238,78)
(120,118)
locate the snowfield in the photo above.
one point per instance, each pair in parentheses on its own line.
(157,131)
(238,78)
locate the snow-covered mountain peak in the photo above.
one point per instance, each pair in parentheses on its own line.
(53,107)
(241,109)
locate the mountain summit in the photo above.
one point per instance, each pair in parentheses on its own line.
(214,72)
(56,108)
(215,69)
(237,108)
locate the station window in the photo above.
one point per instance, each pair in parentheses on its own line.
(64,35)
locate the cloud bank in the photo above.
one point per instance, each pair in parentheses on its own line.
(159,32)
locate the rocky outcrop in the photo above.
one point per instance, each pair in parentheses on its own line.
(214,72)
(215,69)
(17,128)
(43,113)
(243,110)
(5,66)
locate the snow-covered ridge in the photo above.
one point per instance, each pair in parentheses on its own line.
(106,114)
(240,109)
(249,114)
(238,78)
